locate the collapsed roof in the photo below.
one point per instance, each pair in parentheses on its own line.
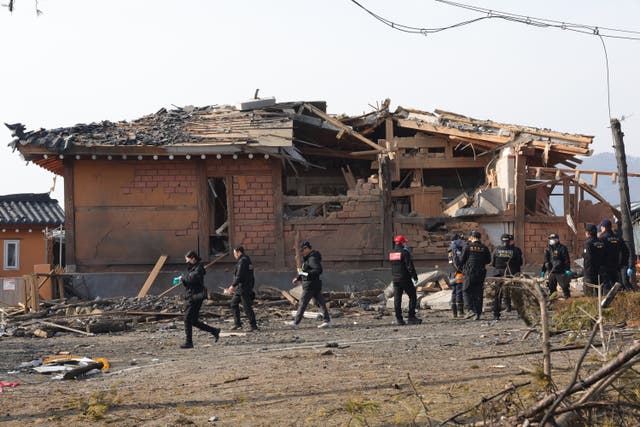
(296,130)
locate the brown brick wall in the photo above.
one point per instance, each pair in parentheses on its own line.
(254,213)
(433,244)
(536,237)
(253,186)
(170,177)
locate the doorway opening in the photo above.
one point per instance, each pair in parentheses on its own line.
(218,216)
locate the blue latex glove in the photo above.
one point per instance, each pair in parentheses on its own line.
(567,273)
(415,282)
(542,274)
(176,281)
(629,272)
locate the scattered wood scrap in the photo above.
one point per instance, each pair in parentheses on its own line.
(152,276)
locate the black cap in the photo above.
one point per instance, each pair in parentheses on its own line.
(239,249)
(506,237)
(192,254)
(475,234)
(305,244)
(606,223)
(554,236)
(590,228)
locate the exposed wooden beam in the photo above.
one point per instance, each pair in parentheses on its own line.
(520,192)
(543,184)
(420,141)
(327,152)
(562,148)
(440,163)
(478,142)
(444,130)
(599,198)
(583,139)
(367,153)
(342,126)
(69,214)
(582,171)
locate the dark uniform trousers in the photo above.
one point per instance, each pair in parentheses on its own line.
(590,277)
(191,312)
(312,290)
(246,297)
(502,291)
(473,289)
(609,278)
(398,288)
(561,279)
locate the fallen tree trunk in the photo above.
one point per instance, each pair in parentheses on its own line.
(106,326)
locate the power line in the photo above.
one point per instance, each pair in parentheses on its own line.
(602,32)
(490,11)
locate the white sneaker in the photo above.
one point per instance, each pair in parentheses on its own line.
(324,325)
(291,323)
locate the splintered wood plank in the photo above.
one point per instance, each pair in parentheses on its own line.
(152,276)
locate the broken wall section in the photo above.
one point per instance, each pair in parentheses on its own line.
(349,235)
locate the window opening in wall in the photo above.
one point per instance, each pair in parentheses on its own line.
(219,216)
(11,253)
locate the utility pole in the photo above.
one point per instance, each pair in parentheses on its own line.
(625,200)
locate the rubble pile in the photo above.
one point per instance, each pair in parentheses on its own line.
(122,314)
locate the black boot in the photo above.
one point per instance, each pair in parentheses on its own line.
(460,309)
(187,345)
(454,309)
(216,334)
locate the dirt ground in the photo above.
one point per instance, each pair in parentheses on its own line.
(354,373)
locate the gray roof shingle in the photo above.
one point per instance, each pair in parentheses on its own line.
(30,209)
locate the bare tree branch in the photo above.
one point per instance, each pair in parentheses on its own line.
(609,368)
(576,372)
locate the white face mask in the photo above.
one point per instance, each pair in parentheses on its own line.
(552,242)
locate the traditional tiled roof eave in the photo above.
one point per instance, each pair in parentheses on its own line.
(30,209)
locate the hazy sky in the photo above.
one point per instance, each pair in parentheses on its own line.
(85,61)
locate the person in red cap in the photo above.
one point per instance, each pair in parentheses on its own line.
(403,271)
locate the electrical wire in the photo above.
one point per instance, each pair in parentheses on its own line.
(606,63)
(593,29)
(602,32)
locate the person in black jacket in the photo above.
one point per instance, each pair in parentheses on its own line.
(557,265)
(242,289)
(456,276)
(507,261)
(593,257)
(627,260)
(403,271)
(195,294)
(309,274)
(474,260)
(615,256)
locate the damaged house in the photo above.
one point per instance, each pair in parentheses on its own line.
(267,174)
